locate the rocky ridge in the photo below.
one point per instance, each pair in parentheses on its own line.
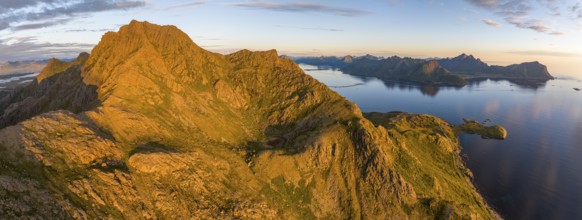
(151,126)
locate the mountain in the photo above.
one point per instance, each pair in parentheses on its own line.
(471,67)
(529,71)
(327,61)
(404,69)
(17,67)
(449,71)
(151,126)
(464,63)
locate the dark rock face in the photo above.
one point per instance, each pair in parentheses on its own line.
(59,86)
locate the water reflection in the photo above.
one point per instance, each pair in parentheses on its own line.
(427,90)
(522,84)
(536,173)
(336,77)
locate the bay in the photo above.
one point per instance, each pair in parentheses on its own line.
(536,173)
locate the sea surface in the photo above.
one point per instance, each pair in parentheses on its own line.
(11,81)
(536,173)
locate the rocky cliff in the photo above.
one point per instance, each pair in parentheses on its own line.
(151,126)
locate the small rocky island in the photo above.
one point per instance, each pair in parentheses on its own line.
(486,132)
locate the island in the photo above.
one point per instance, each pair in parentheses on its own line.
(486,132)
(457,71)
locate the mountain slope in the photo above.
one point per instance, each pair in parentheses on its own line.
(403,69)
(471,67)
(50,92)
(152,126)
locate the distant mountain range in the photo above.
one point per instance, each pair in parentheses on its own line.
(448,71)
(18,67)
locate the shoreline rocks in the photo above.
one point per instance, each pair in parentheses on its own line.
(486,132)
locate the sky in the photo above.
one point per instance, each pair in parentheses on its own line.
(500,32)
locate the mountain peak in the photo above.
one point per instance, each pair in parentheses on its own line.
(464,56)
(138,30)
(138,43)
(55,66)
(430,67)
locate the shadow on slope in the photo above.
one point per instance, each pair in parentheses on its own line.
(60,86)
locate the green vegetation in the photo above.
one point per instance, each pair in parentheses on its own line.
(168,130)
(474,127)
(428,158)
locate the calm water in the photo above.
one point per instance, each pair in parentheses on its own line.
(9,82)
(536,173)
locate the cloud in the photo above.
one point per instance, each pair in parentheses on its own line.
(33,14)
(543,53)
(186,5)
(39,25)
(302,7)
(484,3)
(90,30)
(577,10)
(491,23)
(29,48)
(525,23)
(18,4)
(517,13)
(322,29)
(312,28)
(552,5)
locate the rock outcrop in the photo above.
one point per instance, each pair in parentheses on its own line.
(151,126)
(486,132)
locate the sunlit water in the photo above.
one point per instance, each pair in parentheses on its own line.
(536,173)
